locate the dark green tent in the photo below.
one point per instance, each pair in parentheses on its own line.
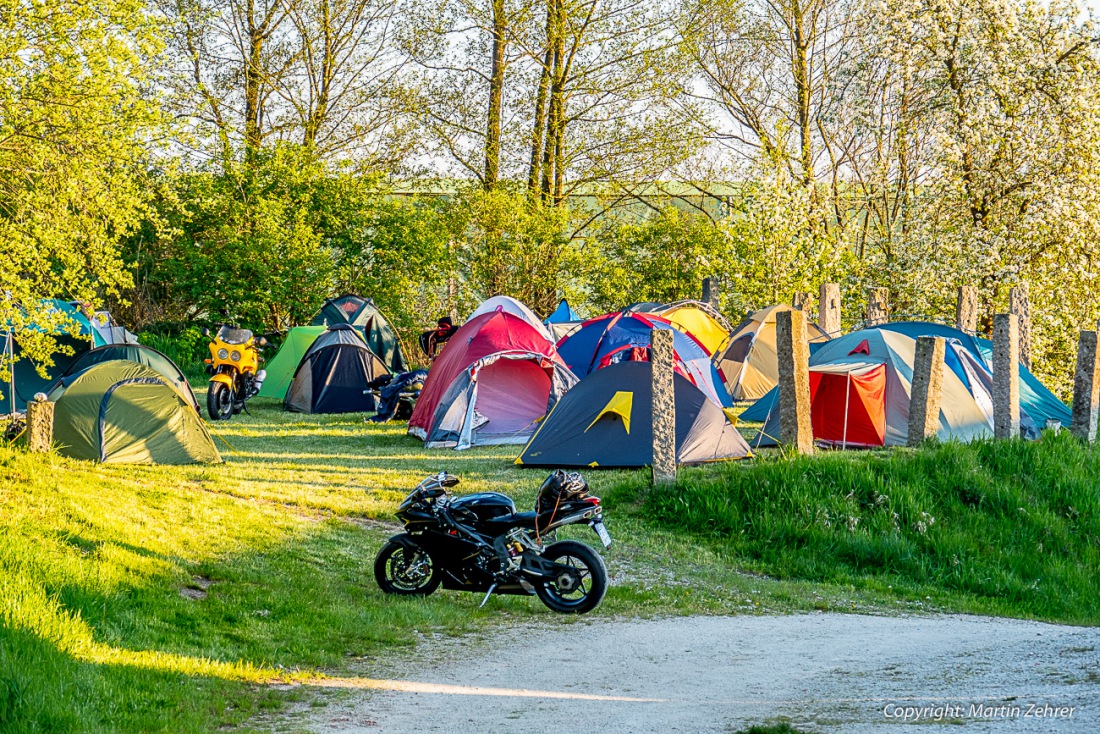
(136,353)
(362,313)
(606,420)
(122,412)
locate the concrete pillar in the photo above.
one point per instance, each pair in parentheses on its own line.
(711,292)
(966,309)
(878,306)
(664,407)
(926,392)
(1086,388)
(1018,304)
(804,302)
(39,424)
(1006,376)
(793,348)
(828,309)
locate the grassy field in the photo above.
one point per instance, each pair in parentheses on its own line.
(175,599)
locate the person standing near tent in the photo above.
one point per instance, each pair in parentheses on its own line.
(432,341)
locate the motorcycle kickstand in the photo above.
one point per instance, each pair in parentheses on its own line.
(487,595)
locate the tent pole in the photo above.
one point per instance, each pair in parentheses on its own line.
(847,392)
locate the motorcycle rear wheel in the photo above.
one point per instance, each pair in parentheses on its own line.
(581,591)
(219,402)
(406,571)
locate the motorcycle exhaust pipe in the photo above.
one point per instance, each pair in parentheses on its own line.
(258,381)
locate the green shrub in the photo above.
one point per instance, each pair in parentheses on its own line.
(1015,524)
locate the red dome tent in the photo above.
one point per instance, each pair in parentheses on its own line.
(497,377)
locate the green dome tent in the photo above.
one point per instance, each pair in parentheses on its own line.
(363,314)
(281,367)
(122,412)
(136,353)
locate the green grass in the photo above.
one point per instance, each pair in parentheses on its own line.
(1008,528)
(95,635)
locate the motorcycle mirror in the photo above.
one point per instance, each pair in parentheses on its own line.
(205,332)
(261,342)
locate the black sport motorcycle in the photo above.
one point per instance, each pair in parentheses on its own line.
(480,543)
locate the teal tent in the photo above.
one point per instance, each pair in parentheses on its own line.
(76,335)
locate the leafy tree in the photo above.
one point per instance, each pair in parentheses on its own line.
(253,245)
(663,258)
(506,244)
(75,118)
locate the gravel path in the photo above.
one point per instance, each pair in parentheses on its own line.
(822,672)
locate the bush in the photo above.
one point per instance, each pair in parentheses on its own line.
(1011,525)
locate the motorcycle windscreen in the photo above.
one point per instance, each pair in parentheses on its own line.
(512,395)
(849,407)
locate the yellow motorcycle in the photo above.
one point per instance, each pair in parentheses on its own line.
(235,371)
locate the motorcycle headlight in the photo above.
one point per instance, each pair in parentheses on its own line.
(235,356)
(223,354)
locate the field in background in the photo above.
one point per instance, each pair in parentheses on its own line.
(159,598)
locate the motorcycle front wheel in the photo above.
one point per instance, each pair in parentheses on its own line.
(582,587)
(219,402)
(406,571)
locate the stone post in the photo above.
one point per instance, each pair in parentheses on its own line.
(878,306)
(664,407)
(711,292)
(966,309)
(1006,376)
(926,392)
(793,349)
(828,309)
(803,302)
(39,424)
(1018,304)
(1086,388)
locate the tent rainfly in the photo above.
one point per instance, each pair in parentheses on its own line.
(624,337)
(142,355)
(607,421)
(859,388)
(122,412)
(699,319)
(507,304)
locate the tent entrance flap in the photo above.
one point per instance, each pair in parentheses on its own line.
(849,407)
(512,394)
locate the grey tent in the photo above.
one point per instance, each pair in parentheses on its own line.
(333,375)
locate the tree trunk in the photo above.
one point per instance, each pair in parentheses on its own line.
(496,97)
(801,69)
(538,131)
(253,80)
